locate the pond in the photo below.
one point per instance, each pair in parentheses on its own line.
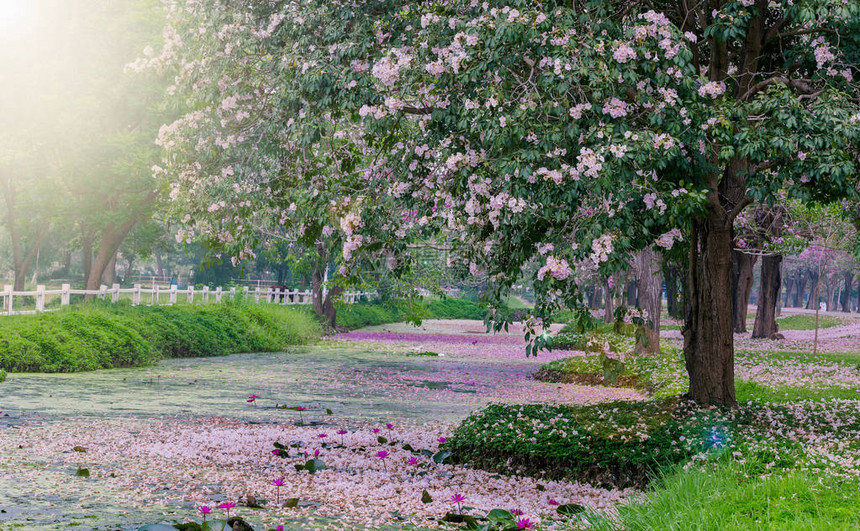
(158,442)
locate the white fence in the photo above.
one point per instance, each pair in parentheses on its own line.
(155,294)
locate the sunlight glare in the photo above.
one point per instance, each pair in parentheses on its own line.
(15,16)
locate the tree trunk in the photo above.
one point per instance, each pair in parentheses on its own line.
(608,309)
(646,265)
(109,274)
(799,290)
(812,304)
(708,338)
(771,281)
(742,281)
(111,238)
(632,296)
(789,285)
(159,266)
(21,260)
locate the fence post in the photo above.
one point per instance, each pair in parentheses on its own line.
(190,295)
(233,293)
(172,294)
(7,289)
(205,293)
(257,294)
(244,293)
(218,292)
(65,296)
(102,291)
(135,295)
(115,295)
(155,290)
(40,298)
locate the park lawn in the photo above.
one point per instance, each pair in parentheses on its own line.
(806,321)
(729,495)
(785,459)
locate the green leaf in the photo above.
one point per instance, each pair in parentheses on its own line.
(441,456)
(425,497)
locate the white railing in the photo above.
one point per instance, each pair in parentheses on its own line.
(153,295)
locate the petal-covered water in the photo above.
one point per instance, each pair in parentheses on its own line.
(158,442)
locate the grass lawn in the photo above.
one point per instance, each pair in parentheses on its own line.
(805,321)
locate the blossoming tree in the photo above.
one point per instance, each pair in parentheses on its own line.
(571,134)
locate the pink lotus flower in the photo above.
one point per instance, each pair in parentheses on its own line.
(413,460)
(443,440)
(525,523)
(252,399)
(375,430)
(276,452)
(553,502)
(516,512)
(389,426)
(383,455)
(279,482)
(458,500)
(322,435)
(226,506)
(300,409)
(341,433)
(204,510)
(279,528)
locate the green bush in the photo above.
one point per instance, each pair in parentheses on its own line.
(100,336)
(612,444)
(375,313)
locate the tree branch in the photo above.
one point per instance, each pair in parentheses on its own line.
(800,84)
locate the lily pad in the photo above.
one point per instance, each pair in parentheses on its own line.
(441,456)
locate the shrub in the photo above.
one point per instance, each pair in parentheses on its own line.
(612,444)
(375,313)
(99,336)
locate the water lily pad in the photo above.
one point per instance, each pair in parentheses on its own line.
(157,527)
(83,472)
(291,502)
(441,456)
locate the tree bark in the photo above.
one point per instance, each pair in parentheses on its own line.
(771,282)
(111,238)
(799,290)
(608,309)
(812,304)
(109,274)
(632,296)
(789,285)
(675,291)
(708,337)
(742,281)
(646,266)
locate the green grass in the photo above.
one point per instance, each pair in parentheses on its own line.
(805,321)
(100,335)
(732,497)
(746,391)
(356,316)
